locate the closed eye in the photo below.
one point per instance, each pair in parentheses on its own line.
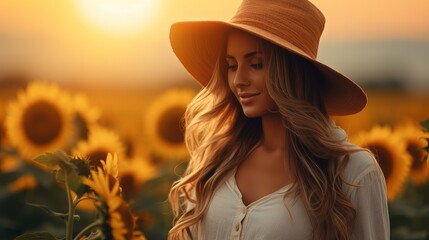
(232,67)
(257,65)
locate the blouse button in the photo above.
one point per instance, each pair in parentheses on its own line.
(237,227)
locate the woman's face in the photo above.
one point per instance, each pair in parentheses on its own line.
(247,74)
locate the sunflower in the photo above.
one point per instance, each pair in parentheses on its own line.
(120,222)
(102,182)
(8,162)
(391,154)
(163,123)
(40,120)
(110,169)
(133,174)
(110,166)
(86,116)
(415,141)
(83,170)
(100,142)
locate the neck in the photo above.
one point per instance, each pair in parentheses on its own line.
(274,133)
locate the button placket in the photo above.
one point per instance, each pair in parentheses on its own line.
(244,210)
(237,227)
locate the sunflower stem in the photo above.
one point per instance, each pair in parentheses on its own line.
(70,219)
(77,201)
(96,223)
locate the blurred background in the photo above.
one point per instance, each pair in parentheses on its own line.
(97,46)
(113,61)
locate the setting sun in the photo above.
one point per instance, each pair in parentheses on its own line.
(119,16)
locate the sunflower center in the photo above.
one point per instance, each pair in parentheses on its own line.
(96,156)
(128,184)
(82,167)
(384,158)
(417,154)
(42,122)
(169,125)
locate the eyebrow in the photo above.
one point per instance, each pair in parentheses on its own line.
(247,55)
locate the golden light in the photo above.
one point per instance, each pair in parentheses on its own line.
(119,16)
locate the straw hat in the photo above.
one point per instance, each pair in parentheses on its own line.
(295,25)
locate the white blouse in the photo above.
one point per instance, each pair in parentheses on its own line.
(274,217)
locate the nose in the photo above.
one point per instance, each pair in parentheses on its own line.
(240,78)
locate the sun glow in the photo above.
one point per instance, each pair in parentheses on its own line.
(119,16)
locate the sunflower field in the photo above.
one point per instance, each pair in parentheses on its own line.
(98,163)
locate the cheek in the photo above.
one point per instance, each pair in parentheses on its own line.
(261,81)
(271,104)
(269,100)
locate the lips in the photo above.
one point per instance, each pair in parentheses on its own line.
(247,97)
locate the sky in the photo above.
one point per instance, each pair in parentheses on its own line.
(125,42)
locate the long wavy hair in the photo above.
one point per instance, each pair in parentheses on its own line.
(219,137)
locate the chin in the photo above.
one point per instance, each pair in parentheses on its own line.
(251,114)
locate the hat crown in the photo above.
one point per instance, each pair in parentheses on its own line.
(298,22)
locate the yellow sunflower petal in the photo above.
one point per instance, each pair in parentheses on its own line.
(121,220)
(40,120)
(391,155)
(414,138)
(111,165)
(98,182)
(102,184)
(115,189)
(89,113)
(163,123)
(100,143)
(114,203)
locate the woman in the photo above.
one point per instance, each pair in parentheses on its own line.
(267,162)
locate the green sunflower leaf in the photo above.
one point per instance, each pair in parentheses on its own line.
(54,213)
(47,159)
(74,180)
(36,236)
(49,211)
(54,159)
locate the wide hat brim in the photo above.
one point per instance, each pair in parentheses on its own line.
(198,44)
